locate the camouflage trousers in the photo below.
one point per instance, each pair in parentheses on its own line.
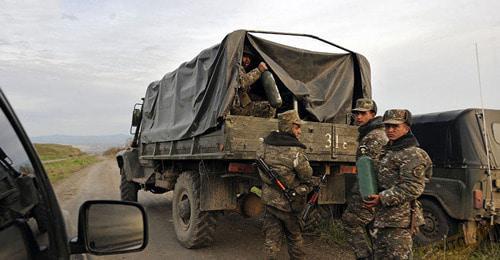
(255,108)
(277,224)
(355,219)
(392,243)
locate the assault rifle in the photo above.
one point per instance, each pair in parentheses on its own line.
(314,197)
(289,193)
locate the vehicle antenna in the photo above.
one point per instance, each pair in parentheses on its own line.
(491,205)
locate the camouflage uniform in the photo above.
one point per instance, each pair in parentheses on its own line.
(245,106)
(356,217)
(285,154)
(402,169)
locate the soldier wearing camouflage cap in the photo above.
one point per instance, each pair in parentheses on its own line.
(284,153)
(371,139)
(402,170)
(245,105)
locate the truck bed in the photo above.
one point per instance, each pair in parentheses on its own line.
(239,137)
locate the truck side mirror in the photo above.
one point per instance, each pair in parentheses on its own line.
(110,227)
(136,117)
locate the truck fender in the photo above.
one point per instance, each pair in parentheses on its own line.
(451,202)
(128,162)
(119,158)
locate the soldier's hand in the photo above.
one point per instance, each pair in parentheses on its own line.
(262,67)
(374,200)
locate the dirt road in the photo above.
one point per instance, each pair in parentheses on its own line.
(236,237)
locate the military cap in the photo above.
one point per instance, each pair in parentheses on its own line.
(248,51)
(365,104)
(287,119)
(397,116)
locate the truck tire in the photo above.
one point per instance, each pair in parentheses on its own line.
(128,189)
(194,228)
(437,223)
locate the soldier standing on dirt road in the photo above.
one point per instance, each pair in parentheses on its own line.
(284,153)
(371,139)
(245,105)
(402,169)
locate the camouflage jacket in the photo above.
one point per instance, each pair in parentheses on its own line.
(285,154)
(402,169)
(371,140)
(246,80)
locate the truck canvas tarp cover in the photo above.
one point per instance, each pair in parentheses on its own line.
(196,96)
(455,138)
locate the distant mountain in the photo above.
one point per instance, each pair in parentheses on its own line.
(91,144)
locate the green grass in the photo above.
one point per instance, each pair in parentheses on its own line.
(60,161)
(332,232)
(485,250)
(56,151)
(62,169)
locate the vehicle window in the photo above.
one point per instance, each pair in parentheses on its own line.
(496,132)
(20,199)
(15,154)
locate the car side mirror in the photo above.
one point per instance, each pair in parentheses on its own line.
(110,227)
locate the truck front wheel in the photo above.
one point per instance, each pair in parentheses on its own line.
(194,228)
(128,189)
(437,223)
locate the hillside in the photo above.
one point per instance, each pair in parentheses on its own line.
(56,151)
(89,144)
(61,161)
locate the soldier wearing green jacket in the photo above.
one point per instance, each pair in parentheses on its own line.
(402,169)
(284,153)
(371,139)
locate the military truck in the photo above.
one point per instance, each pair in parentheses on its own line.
(464,191)
(186,140)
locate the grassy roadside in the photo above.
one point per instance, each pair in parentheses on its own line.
(484,250)
(56,151)
(332,232)
(60,161)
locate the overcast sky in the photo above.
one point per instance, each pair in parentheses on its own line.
(78,67)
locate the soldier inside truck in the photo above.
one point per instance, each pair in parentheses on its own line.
(252,98)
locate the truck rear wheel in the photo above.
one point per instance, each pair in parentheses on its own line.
(194,228)
(128,189)
(437,223)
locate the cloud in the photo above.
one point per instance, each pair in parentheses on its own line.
(77,67)
(69,17)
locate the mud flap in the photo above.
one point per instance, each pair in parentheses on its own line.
(216,193)
(334,190)
(469,229)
